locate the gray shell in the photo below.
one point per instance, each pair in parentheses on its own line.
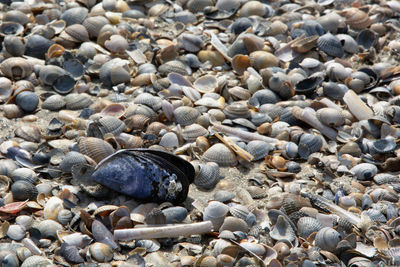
(259,149)
(307,226)
(364,171)
(220,154)
(330,44)
(54,103)
(208,175)
(309,144)
(327,239)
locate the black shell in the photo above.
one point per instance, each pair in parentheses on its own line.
(146,175)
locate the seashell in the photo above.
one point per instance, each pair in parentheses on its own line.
(7,166)
(16,16)
(173,187)
(16,232)
(215,212)
(11,28)
(224,196)
(367,38)
(70,159)
(282,230)
(257,192)
(107,124)
(174,66)
(23,190)
(74,67)
(333,90)
(330,22)
(308,225)
(114,72)
(116,44)
(208,176)
(356,18)
(206,84)
(49,228)
(175,214)
(16,68)
(385,178)
(262,97)
(78,32)
(234,224)
(330,117)
(37,46)
(186,115)
(71,253)
(261,59)
(240,24)
(349,44)
(198,5)
(137,122)
(364,171)
(101,252)
(190,42)
(221,155)
(311,27)
(64,84)
(52,208)
(54,103)
(191,132)
(237,110)
(94,24)
(149,100)
(50,73)
(14,45)
(252,8)
(23,253)
(149,245)
(239,211)
(259,149)
(304,44)
(309,144)
(27,101)
(35,260)
(75,15)
(96,148)
(331,45)
(24,174)
(327,239)
(169,140)
(214,57)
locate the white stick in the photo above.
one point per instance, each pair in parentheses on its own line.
(163,231)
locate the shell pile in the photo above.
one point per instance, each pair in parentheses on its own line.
(221,132)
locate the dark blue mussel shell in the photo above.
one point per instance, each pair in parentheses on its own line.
(146,175)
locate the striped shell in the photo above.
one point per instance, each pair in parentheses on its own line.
(208,176)
(186,115)
(95,148)
(220,154)
(307,226)
(16,68)
(327,239)
(191,132)
(331,45)
(259,149)
(356,19)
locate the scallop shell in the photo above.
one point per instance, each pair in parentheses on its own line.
(186,115)
(16,232)
(309,144)
(261,59)
(106,124)
(282,230)
(234,224)
(331,45)
(239,211)
(24,174)
(95,148)
(220,154)
(70,159)
(208,176)
(35,260)
(307,226)
(259,149)
(29,133)
(191,132)
(330,117)
(94,24)
(327,239)
(174,66)
(16,68)
(356,18)
(153,102)
(215,212)
(75,15)
(237,110)
(169,140)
